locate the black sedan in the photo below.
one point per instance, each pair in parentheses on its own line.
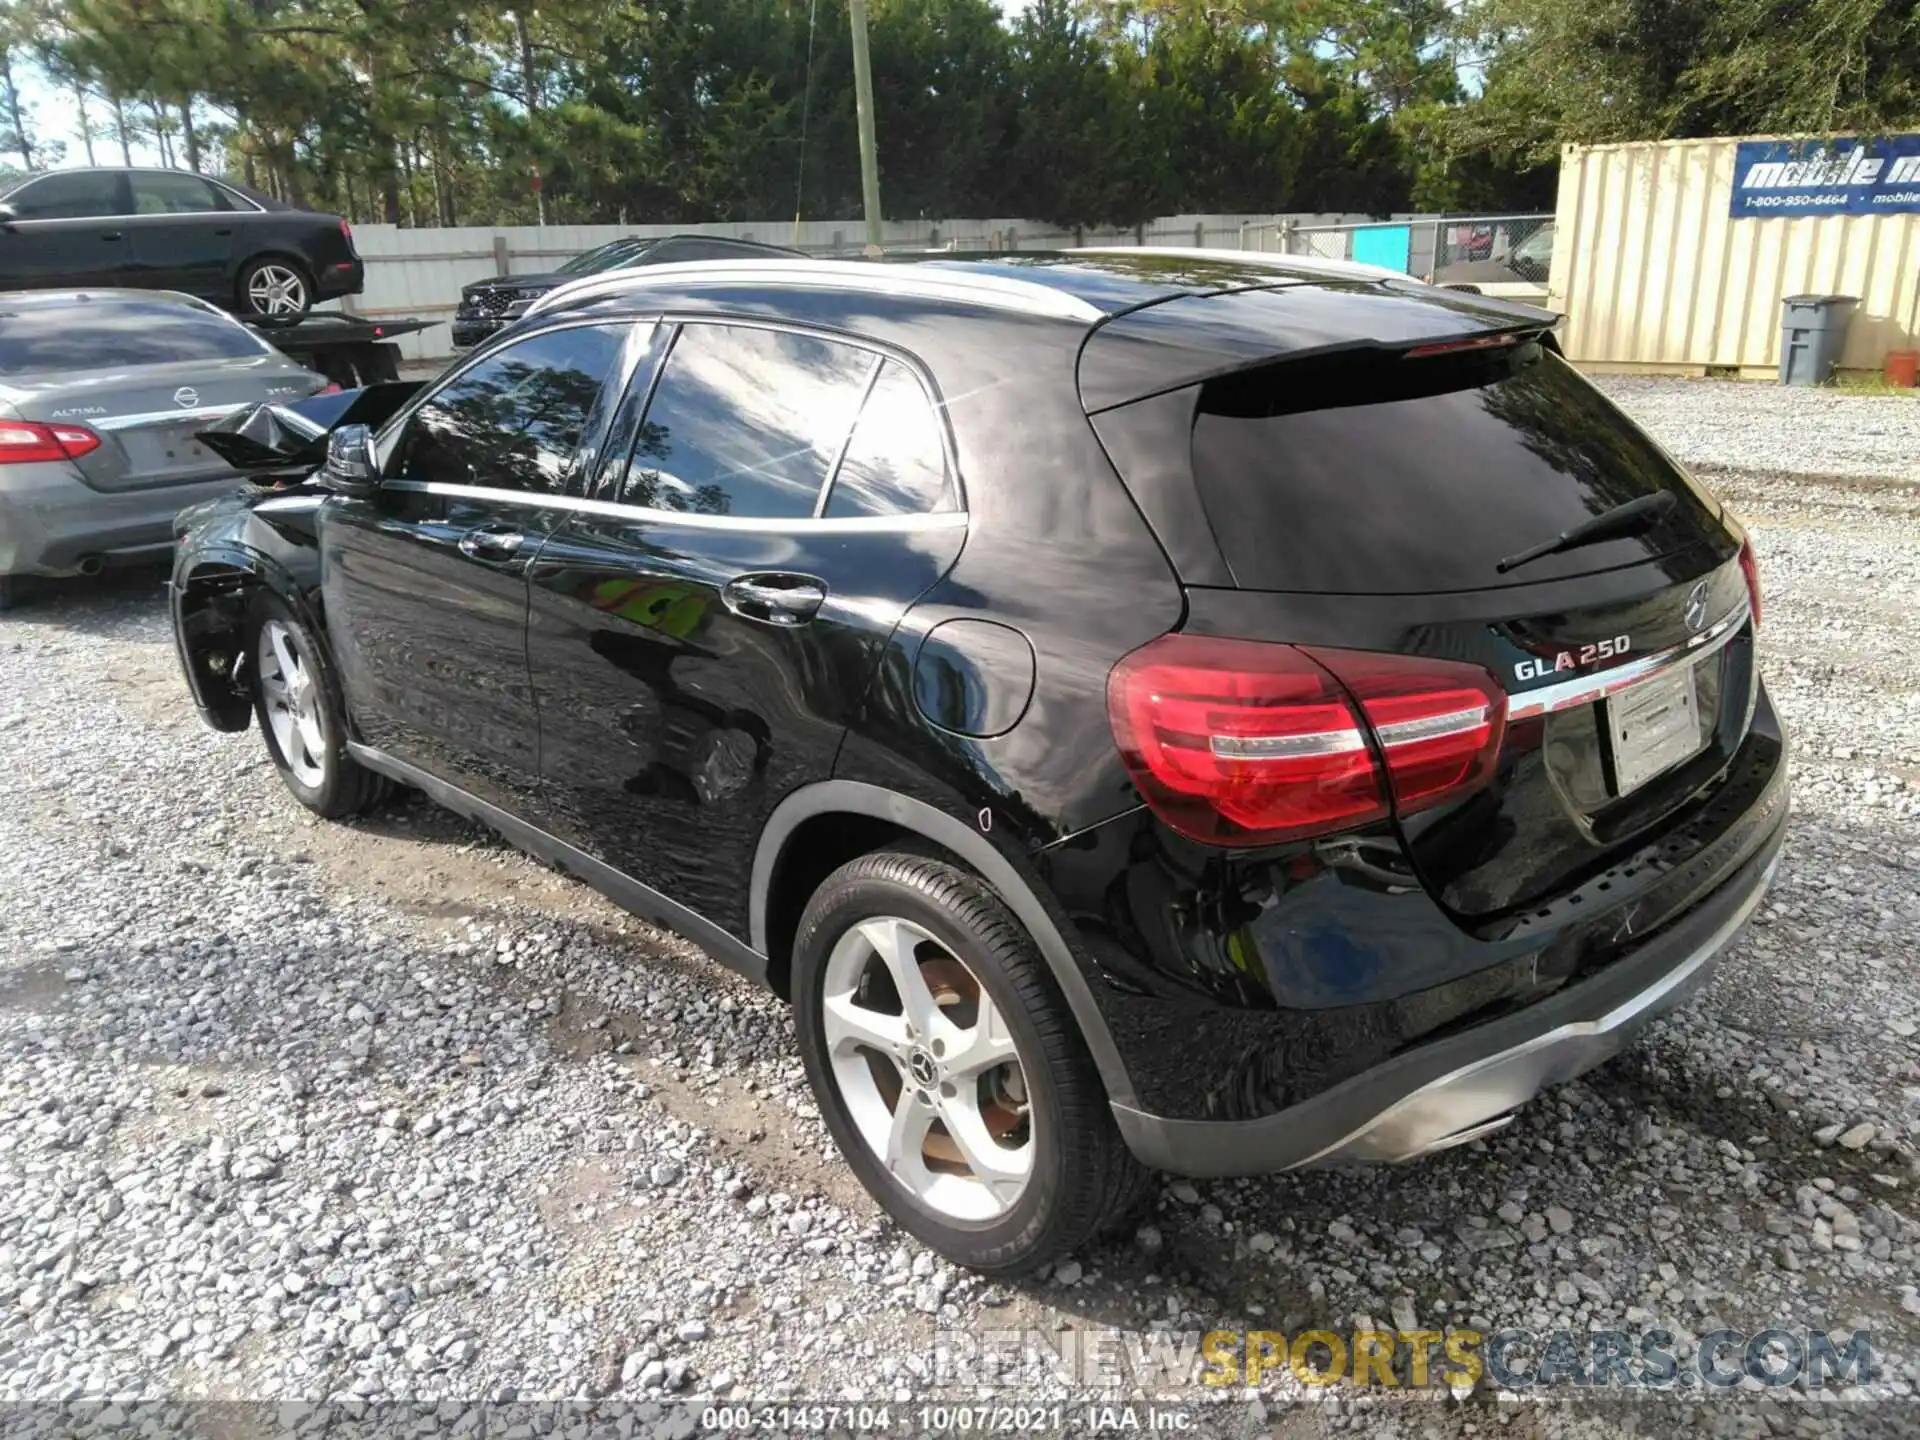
(173,230)
(488,306)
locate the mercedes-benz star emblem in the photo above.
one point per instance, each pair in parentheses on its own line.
(186,397)
(920,1065)
(1696,612)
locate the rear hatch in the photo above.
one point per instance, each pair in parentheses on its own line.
(129,378)
(146,418)
(1375,497)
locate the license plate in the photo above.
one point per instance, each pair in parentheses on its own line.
(164,450)
(1654,726)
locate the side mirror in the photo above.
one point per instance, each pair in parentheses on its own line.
(350,468)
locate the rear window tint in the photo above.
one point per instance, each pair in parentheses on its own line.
(895,464)
(1374,474)
(39,338)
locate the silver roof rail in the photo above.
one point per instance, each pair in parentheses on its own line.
(1000,292)
(1308,264)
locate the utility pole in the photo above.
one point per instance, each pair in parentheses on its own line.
(529,80)
(863,94)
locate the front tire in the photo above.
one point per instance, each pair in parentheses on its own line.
(275,289)
(302,716)
(949,1069)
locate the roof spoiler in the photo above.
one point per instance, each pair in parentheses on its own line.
(1368,372)
(1192,339)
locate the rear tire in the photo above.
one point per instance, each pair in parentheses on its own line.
(975,1116)
(275,290)
(302,715)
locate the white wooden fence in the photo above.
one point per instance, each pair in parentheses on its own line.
(420,272)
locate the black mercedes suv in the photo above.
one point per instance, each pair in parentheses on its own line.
(1146,710)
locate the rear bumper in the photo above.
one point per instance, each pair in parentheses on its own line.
(343,277)
(1465,1085)
(51,524)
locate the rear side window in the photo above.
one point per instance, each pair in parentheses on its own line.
(745,421)
(895,463)
(167,194)
(1378,474)
(112,333)
(70,195)
(513,420)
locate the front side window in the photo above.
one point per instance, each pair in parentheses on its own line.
(745,422)
(513,420)
(895,463)
(69,195)
(164,194)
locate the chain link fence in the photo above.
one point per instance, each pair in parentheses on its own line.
(1522,244)
(1475,249)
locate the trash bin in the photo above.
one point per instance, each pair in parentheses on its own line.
(1813,332)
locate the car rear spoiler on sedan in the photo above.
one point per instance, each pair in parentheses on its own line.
(276,442)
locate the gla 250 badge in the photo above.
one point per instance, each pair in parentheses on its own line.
(1539,669)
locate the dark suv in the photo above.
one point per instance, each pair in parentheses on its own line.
(488,306)
(1144,711)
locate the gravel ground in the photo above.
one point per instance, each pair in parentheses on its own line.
(297,1110)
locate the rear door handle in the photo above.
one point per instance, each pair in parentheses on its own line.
(113,235)
(775,599)
(491,543)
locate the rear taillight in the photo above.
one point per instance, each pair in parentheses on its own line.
(1750,567)
(1239,742)
(24,441)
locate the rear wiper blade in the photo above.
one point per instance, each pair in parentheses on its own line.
(1628,519)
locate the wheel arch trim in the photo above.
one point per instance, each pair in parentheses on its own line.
(235,555)
(230,555)
(852,797)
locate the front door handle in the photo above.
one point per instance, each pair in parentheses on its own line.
(775,599)
(491,544)
(112,235)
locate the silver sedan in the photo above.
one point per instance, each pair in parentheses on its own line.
(101,392)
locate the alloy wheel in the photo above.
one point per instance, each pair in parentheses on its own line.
(276,290)
(293,703)
(928,1069)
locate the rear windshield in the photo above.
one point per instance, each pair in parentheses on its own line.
(41,338)
(1381,474)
